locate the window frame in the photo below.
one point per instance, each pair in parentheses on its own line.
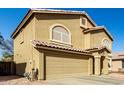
(59,41)
(103,42)
(86,24)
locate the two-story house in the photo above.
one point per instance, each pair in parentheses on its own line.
(60,43)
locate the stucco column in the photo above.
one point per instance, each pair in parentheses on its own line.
(110,63)
(41,68)
(105,66)
(90,66)
(97,62)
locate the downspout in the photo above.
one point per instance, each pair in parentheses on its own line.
(33,37)
(32,58)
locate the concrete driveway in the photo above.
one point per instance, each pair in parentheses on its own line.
(86,80)
(70,80)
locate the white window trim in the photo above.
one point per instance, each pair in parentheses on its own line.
(51,39)
(107,40)
(81,25)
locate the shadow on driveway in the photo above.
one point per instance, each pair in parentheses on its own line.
(9,77)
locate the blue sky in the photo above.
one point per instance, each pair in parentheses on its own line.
(113,19)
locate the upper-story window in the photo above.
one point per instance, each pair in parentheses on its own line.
(105,43)
(83,22)
(60,34)
(21,36)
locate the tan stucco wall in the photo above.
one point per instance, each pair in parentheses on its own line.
(97,37)
(72,22)
(87,41)
(116,65)
(23,52)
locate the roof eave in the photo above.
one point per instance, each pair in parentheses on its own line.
(66,12)
(22,23)
(54,49)
(99,49)
(114,59)
(31,11)
(100,28)
(108,33)
(90,19)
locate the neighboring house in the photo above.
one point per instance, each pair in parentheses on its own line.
(117,61)
(58,42)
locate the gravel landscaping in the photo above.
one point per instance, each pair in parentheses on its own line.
(17,80)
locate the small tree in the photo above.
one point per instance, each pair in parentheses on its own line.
(7,48)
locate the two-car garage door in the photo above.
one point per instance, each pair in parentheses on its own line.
(65,65)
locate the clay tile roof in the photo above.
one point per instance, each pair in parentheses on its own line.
(117,55)
(98,48)
(91,49)
(57,11)
(98,28)
(40,44)
(93,28)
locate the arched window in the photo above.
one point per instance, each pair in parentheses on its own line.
(60,34)
(105,43)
